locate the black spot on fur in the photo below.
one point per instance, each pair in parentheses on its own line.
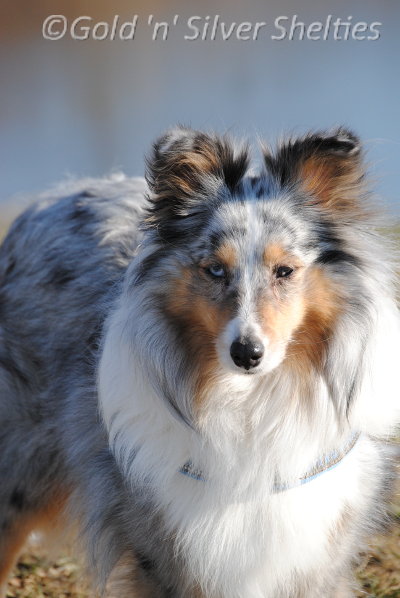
(328,235)
(81,215)
(5,525)
(254,181)
(61,276)
(336,256)
(180,231)
(93,342)
(261,191)
(11,266)
(144,562)
(234,167)
(11,367)
(17,500)
(260,185)
(80,212)
(87,193)
(215,239)
(332,247)
(149,263)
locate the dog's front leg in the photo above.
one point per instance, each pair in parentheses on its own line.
(127,580)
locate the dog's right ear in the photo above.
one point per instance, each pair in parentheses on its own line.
(328,167)
(186,169)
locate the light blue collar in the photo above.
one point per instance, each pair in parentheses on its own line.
(323,465)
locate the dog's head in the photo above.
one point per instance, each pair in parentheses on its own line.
(255,270)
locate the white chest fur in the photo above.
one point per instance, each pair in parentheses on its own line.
(236,537)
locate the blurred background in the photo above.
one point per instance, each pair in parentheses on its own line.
(80,108)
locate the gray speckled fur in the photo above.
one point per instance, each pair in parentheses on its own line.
(60,265)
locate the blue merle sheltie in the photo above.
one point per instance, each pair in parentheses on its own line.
(200,371)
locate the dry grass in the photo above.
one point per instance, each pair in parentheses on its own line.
(36,577)
(379,574)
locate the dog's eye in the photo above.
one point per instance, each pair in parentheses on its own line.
(283,271)
(216,270)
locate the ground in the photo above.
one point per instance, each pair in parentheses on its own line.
(380,573)
(36,577)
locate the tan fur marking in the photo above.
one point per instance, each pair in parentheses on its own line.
(11,544)
(305,317)
(13,539)
(191,165)
(178,302)
(206,376)
(204,161)
(227,255)
(279,317)
(335,183)
(204,322)
(183,171)
(201,316)
(322,305)
(276,255)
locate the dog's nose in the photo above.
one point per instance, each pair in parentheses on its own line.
(247,353)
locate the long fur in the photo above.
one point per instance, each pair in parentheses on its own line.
(116,369)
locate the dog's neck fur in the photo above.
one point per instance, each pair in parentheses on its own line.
(244,419)
(241,416)
(250,432)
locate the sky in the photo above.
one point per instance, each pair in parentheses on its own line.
(72,106)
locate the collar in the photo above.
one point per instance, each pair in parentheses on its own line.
(322,465)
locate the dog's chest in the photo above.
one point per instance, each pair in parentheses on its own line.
(252,544)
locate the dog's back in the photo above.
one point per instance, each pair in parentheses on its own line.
(59,264)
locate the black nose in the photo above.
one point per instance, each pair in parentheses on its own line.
(247,353)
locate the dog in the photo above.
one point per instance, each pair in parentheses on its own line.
(199,370)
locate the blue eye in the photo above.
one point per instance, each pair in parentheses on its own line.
(217,270)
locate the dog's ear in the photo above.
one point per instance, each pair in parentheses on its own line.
(188,167)
(328,167)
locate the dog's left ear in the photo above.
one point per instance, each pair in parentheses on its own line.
(328,167)
(188,167)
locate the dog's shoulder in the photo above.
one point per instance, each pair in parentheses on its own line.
(95,219)
(60,267)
